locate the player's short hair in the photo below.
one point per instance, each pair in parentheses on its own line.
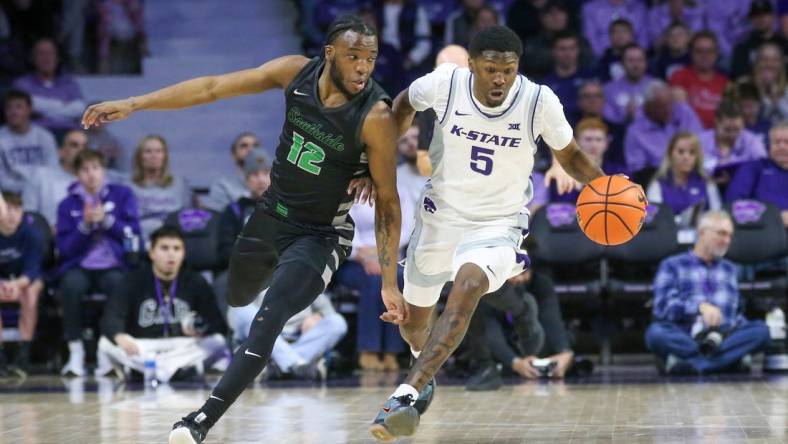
(728,109)
(12,199)
(89,155)
(495,38)
(168,232)
(591,123)
(17,94)
(348,23)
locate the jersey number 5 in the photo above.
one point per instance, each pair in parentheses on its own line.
(481,160)
(307,157)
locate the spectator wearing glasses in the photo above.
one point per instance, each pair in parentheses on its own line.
(696,294)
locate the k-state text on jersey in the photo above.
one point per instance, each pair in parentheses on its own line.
(483,137)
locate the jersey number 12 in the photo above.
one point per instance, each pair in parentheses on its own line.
(307,157)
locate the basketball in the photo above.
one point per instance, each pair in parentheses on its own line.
(611,209)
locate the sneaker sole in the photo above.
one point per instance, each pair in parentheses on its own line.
(380,433)
(181,435)
(402,422)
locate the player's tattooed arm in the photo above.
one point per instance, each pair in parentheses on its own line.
(277,73)
(379,134)
(403,112)
(579,166)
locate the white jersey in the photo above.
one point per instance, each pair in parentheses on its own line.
(482,157)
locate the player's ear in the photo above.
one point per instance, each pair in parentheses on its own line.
(471,65)
(329,50)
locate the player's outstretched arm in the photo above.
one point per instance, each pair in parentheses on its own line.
(574,161)
(380,134)
(277,73)
(403,112)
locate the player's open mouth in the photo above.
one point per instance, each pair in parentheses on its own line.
(359,84)
(496,94)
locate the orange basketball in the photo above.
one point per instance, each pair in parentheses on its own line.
(610,210)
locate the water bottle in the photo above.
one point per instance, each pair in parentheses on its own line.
(149,372)
(776,356)
(775,320)
(131,246)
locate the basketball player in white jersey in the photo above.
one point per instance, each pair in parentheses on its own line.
(472,220)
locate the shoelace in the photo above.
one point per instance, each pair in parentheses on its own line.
(405,399)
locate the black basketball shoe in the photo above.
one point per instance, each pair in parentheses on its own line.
(189,430)
(398,417)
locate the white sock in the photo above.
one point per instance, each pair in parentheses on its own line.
(75,348)
(405,389)
(415,353)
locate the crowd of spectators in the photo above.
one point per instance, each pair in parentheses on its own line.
(688,98)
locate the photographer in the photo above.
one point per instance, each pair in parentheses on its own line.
(531,306)
(697,324)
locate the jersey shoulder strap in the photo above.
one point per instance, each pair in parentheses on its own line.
(306,75)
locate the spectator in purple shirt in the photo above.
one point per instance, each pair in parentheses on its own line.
(57,99)
(621,36)
(697,291)
(625,95)
(728,144)
(674,54)
(567,75)
(661,16)
(763,23)
(597,15)
(766,179)
(649,133)
(681,183)
(94,223)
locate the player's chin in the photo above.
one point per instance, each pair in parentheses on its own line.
(495,99)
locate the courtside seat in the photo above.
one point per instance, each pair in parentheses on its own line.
(557,242)
(759,246)
(200,229)
(634,264)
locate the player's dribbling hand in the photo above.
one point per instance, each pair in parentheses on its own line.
(396,308)
(105,112)
(363,190)
(639,187)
